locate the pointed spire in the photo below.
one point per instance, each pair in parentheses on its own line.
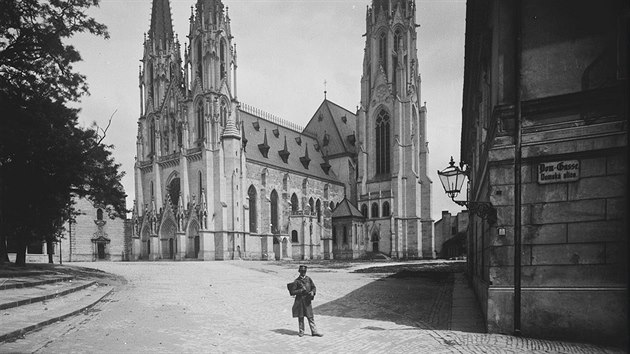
(161,23)
(230,128)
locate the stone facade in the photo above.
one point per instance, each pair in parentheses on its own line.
(569,83)
(217,179)
(392,135)
(94,236)
(450,233)
(91,236)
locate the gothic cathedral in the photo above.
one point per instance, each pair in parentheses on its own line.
(217,179)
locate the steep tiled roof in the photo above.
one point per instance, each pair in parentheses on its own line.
(346,209)
(257,130)
(334,127)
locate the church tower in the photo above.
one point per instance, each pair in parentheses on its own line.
(160,84)
(214,125)
(190,165)
(394,189)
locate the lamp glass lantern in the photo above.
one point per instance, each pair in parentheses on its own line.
(452,178)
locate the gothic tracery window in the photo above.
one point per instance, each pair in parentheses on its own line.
(295,204)
(274,213)
(375,210)
(253,222)
(364,210)
(201,133)
(382,50)
(199,61)
(223,59)
(152,137)
(386,210)
(383,158)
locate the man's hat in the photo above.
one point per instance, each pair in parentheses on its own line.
(302,267)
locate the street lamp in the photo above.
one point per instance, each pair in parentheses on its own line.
(452,178)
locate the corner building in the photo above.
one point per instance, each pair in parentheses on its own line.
(545,136)
(218,179)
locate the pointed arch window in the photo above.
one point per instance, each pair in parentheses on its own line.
(199,61)
(253,222)
(274,212)
(311,204)
(223,59)
(151,91)
(383,159)
(201,132)
(318,207)
(375,210)
(382,50)
(152,137)
(386,210)
(295,204)
(364,210)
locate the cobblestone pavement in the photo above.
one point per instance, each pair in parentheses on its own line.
(239,306)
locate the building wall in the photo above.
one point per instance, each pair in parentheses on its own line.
(311,232)
(78,243)
(574,111)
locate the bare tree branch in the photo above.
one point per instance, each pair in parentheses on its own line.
(106,128)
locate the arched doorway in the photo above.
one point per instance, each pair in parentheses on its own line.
(100,246)
(145,251)
(167,236)
(192,247)
(375,240)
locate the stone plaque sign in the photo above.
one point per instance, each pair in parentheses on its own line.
(558,172)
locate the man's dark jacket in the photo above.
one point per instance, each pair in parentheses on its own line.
(302,305)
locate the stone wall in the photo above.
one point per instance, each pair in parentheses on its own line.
(311,232)
(77,244)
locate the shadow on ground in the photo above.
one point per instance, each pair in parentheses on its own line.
(36,269)
(286,332)
(413,295)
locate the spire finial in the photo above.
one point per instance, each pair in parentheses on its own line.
(325,83)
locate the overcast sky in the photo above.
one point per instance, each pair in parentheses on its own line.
(286,50)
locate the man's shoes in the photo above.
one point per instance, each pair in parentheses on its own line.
(317,335)
(301,334)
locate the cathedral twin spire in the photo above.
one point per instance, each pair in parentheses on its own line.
(161,30)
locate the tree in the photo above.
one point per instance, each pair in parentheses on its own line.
(34,60)
(45,157)
(45,160)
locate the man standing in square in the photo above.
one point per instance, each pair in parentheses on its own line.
(304,291)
